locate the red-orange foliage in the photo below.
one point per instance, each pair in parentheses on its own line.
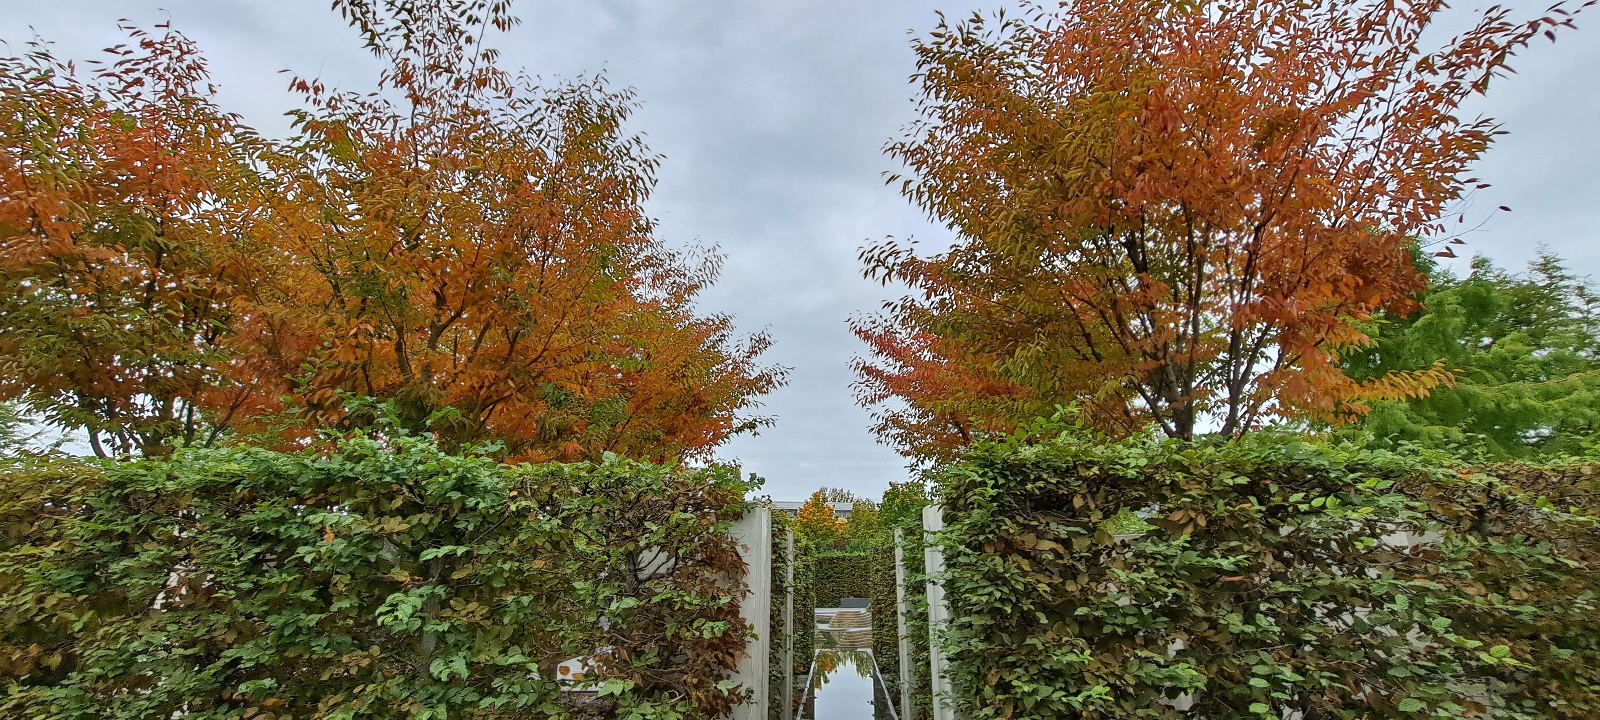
(469,242)
(1174,213)
(461,242)
(816,521)
(122,199)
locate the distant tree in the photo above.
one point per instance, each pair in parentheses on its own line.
(864,528)
(840,495)
(1171,213)
(903,503)
(1525,350)
(15,435)
(816,523)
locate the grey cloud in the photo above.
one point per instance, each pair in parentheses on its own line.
(771,116)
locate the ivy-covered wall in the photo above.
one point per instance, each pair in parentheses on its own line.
(916,625)
(804,604)
(1275,578)
(383,579)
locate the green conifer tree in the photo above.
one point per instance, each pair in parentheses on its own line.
(1525,350)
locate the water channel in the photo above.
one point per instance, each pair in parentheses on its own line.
(844,682)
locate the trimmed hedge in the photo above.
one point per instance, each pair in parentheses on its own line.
(805,607)
(1277,578)
(385,579)
(842,574)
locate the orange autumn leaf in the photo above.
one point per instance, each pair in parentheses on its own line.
(1169,214)
(460,242)
(475,248)
(124,194)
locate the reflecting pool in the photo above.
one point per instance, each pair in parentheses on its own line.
(845,683)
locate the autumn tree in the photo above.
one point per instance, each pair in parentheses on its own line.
(817,523)
(461,245)
(1175,214)
(1525,349)
(121,239)
(474,247)
(864,528)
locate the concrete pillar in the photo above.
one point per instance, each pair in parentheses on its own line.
(902,610)
(753,535)
(938,615)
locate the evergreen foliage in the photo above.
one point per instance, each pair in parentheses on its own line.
(16,437)
(1525,350)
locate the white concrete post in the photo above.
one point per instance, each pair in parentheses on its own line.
(786,693)
(753,535)
(903,632)
(938,615)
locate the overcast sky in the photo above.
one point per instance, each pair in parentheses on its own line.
(771,115)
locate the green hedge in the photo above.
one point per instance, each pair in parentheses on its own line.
(1272,582)
(805,606)
(885,626)
(804,624)
(842,574)
(384,579)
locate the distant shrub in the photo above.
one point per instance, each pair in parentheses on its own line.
(843,573)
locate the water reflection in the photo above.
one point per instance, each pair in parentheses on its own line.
(845,683)
(845,686)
